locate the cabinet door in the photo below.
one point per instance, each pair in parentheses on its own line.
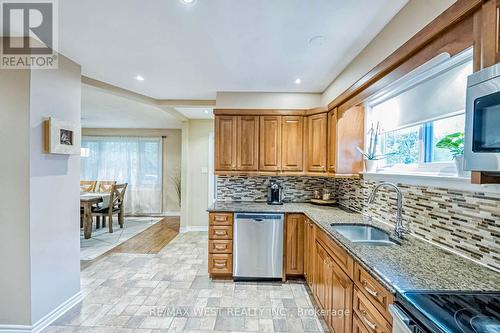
(225,142)
(270,143)
(323,280)
(306,249)
(332,141)
(292,144)
(341,299)
(350,129)
(317,139)
(309,241)
(490,33)
(294,263)
(247,147)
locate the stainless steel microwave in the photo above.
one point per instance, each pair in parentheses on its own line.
(482,121)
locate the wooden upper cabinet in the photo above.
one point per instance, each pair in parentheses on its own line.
(294,236)
(350,133)
(317,138)
(225,143)
(332,141)
(247,143)
(270,143)
(292,143)
(490,33)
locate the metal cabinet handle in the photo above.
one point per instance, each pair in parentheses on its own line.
(367,322)
(219,265)
(220,247)
(220,233)
(370,291)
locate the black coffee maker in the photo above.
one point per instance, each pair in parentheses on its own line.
(274,194)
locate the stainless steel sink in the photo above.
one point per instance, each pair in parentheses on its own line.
(364,234)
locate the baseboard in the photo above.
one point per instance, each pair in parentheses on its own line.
(193,228)
(171,213)
(46,320)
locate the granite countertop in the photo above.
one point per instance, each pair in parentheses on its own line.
(413,265)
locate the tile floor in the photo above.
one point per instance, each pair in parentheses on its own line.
(102,241)
(171,292)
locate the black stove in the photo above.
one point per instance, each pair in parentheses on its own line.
(453,312)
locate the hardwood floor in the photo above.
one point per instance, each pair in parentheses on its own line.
(150,241)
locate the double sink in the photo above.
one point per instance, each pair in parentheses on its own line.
(365,234)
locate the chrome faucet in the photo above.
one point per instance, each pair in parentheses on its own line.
(399,230)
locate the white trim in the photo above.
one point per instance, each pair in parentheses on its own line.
(193,228)
(430,179)
(47,319)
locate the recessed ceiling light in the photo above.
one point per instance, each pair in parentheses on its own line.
(139,78)
(188,2)
(298,81)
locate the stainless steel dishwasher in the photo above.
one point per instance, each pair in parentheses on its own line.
(258,246)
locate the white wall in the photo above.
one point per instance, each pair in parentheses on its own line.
(40,237)
(256,100)
(196,140)
(54,192)
(410,20)
(15,302)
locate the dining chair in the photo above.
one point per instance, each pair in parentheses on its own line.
(87,185)
(105,185)
(115,207)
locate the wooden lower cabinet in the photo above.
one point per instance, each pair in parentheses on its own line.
(220,263)
(358,326)
(374,291)
(294,248)
(368,314)
(220,244)
(351,300)
(309,250)
(333,291)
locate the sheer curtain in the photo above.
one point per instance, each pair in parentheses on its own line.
(133,160)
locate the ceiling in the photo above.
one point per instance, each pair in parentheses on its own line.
(193,51)
(101,109)
(196,113)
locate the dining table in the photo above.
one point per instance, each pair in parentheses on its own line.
(87,201)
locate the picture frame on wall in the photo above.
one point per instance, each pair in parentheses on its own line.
(62,137)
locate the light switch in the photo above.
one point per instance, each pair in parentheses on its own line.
(204,170)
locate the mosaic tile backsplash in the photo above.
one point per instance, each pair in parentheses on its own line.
(465,222)
(295,189)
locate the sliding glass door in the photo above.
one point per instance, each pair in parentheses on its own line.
(133,160)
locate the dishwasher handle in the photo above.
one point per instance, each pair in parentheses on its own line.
(259,217)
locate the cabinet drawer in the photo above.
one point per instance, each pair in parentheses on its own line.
(221,219)
(220,246)
(358,326)
(371,318)
(374,291)
(220,232)
(341,257)
(220,263)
